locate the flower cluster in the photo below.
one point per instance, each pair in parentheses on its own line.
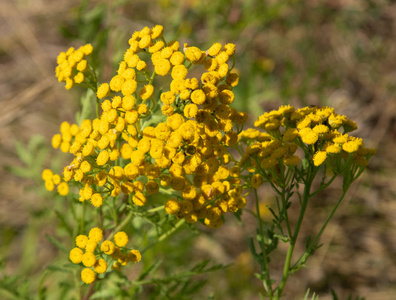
(319,132)
(95,259)
(185,151)
(52,179)
(72,66)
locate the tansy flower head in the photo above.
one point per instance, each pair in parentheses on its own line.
(121,239)
(100,266)
(76,255)
(134,256)
(81,241)
(88,275)
(107,247)
(96,234)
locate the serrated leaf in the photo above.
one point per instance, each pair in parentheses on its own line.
(200,266)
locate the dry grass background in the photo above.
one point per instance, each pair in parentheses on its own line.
(359,248)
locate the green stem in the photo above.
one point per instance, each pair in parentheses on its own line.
(286,269)
(307,253)
(122,225)
(264,263)
(97,107)
(155,209)
(165,235)
(82,221)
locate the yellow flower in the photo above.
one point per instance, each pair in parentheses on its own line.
(88,259)
(162,66)
(189,193)
(103,90)
(49,185)
(103,158)
(166,52)
(319,129)
(152,187)
(179,72)
(96,234)
(291,160)
(232,79)
(210,64)
(56,141)
(129,87)
(145,42)
(107,247)
(96,200)
(229,48)
(290,134)
(168,97)
(90,246)
(158,45)
(142,109)
(82,65)
(198,97)
(146,92)
(121,239)
(214,49)
(116,83)
(56,179)
(87,49)
(156,31)
(190,110)
(134,256)
(139,199)
(193,54)
(81,241)
(76,255)
(141,65)
(319,157)
(177,58)
(308,136)
(226,96)
(63,189)
(47,174)
(79,77)
(100,266)
(223,69)
(172,206)
(167,110)
(222,57)
(88,276)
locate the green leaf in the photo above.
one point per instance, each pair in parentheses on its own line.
(107,293)
(151,269)
(64,223)
(333,293)
(87,101)
(56,243)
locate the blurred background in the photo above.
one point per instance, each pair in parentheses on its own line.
(336,53)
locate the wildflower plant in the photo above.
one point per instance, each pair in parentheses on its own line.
(167,142)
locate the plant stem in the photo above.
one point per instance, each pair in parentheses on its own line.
(165,235)
(82,221)
(264,263)
(122,225)
(293,239)
(317,237)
